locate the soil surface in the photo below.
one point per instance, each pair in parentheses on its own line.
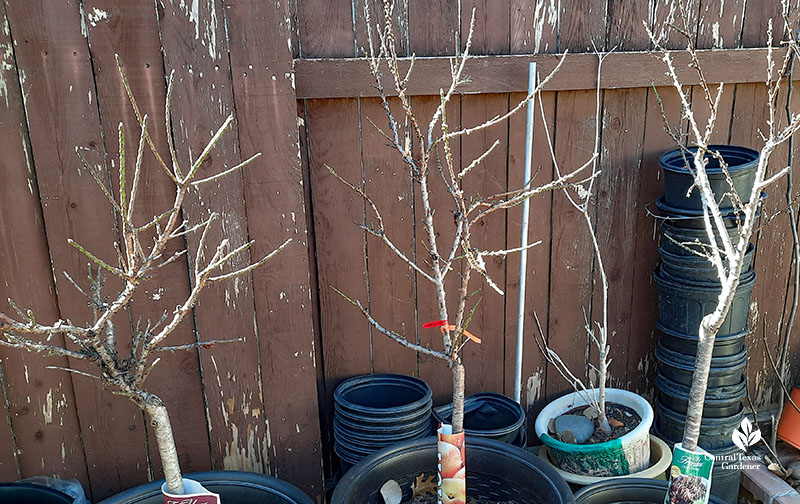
(625,419)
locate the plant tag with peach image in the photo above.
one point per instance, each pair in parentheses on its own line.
(451,467)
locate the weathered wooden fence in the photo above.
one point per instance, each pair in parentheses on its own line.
(285,69)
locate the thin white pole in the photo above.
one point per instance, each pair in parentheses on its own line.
(523,256)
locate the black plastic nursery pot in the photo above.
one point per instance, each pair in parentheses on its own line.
(679,368)
(693,219)
(695,269)
(488,415)
(234,487)
(682,305)
(685,241)
(29,493)
(715,433)
(375,411)
(719,401)
(495,471)
(678,180)
(725,345)
(383,398)
(629,491)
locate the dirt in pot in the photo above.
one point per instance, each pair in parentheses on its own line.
(621,418)
(424,491)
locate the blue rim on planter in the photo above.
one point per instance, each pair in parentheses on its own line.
(617,457)
(678,179)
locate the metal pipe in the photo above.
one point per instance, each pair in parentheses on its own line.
(523,256)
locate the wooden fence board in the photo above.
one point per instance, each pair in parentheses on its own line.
(433,29)
(274,192)
(616,204)
(41,402)
(53,59)
(392,290)
(336,78)
(527,14)
(485,363)
(231,373)
(572,256)
(131,30)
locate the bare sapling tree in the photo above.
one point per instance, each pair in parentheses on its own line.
(726,256)
(580,197)
(141,254)
(426,152)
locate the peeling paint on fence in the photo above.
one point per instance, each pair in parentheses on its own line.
(534,387)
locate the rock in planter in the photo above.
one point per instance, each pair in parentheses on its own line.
(580,427)
(617,457)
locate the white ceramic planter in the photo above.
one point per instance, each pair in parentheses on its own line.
(618,457)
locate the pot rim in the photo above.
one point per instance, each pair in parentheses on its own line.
(724,149)
(567,402)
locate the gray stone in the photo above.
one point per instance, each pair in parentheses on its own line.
(580,426)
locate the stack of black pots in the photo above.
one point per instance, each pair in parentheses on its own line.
(372,412)
(688,289)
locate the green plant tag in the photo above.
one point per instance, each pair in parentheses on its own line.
(690,476)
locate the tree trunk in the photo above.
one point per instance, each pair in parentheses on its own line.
(159,420)
(458,397)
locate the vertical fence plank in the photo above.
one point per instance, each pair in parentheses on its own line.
(617,205)
(485,363)
(433,30)
(274,193)
(773,241)
(203,98)
(392,291)
(533,29)
(131,30)
(572,258)
(62,113)
(41,402)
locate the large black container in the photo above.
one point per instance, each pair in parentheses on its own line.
(715,433)
(681,306)
(678,180)
(375,411)
(234,487)
(725,345)
(629,491)
(488,415)
(677,367)
(29,493)
(495,471)
(695,269)
(719,401)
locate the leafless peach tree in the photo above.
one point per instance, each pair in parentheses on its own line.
(141,253)
(726,256)
(426,152)
(580,196)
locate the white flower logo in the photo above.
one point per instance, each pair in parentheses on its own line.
(746,436)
